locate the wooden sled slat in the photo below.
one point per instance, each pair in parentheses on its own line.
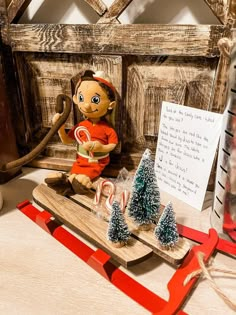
(89,226)
(175,256)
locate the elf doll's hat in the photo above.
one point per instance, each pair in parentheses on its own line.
(102,77)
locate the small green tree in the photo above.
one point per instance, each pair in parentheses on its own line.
(144,203)
(118,231)
(166,230)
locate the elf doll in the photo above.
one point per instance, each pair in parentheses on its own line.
(95,98)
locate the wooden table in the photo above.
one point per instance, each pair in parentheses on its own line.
(38,275)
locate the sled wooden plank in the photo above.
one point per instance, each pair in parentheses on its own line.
(175,256)
(87,201)
(89,226)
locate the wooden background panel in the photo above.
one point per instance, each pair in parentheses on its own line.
(150,81)
(142,83)
(112,65)
(200,76)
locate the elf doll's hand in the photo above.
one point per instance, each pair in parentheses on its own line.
(55,118)
(92,146)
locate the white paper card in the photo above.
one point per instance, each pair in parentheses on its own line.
(187,142)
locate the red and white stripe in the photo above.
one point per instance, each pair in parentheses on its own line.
(111,193)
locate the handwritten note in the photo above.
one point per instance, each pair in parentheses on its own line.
(186,147)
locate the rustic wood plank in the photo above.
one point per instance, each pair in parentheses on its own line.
(174,256)
(188,40)
(86,224)
(16,8)
(98,6)
(87,202)
(114,11)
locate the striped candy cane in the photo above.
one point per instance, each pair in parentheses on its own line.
(77,132)
(110,197)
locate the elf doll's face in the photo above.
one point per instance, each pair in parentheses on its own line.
(92,100)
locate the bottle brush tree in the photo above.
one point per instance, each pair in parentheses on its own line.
(144,203)
(118,232)
(166,229)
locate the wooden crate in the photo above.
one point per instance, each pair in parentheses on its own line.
(147,63)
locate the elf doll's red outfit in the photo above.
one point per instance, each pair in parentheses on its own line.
(102,132)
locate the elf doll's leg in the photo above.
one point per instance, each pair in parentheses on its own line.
(80,178)
(59,182)
(67,184)
(84,172)
(56,178)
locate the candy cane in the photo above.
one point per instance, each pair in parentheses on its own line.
(78,137)
(110,197)
(97,196)
(124,200)
(109,202)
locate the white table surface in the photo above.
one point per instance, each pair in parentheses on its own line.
(38,275)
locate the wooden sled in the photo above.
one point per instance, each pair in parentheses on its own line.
(79,213)
(175,256)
